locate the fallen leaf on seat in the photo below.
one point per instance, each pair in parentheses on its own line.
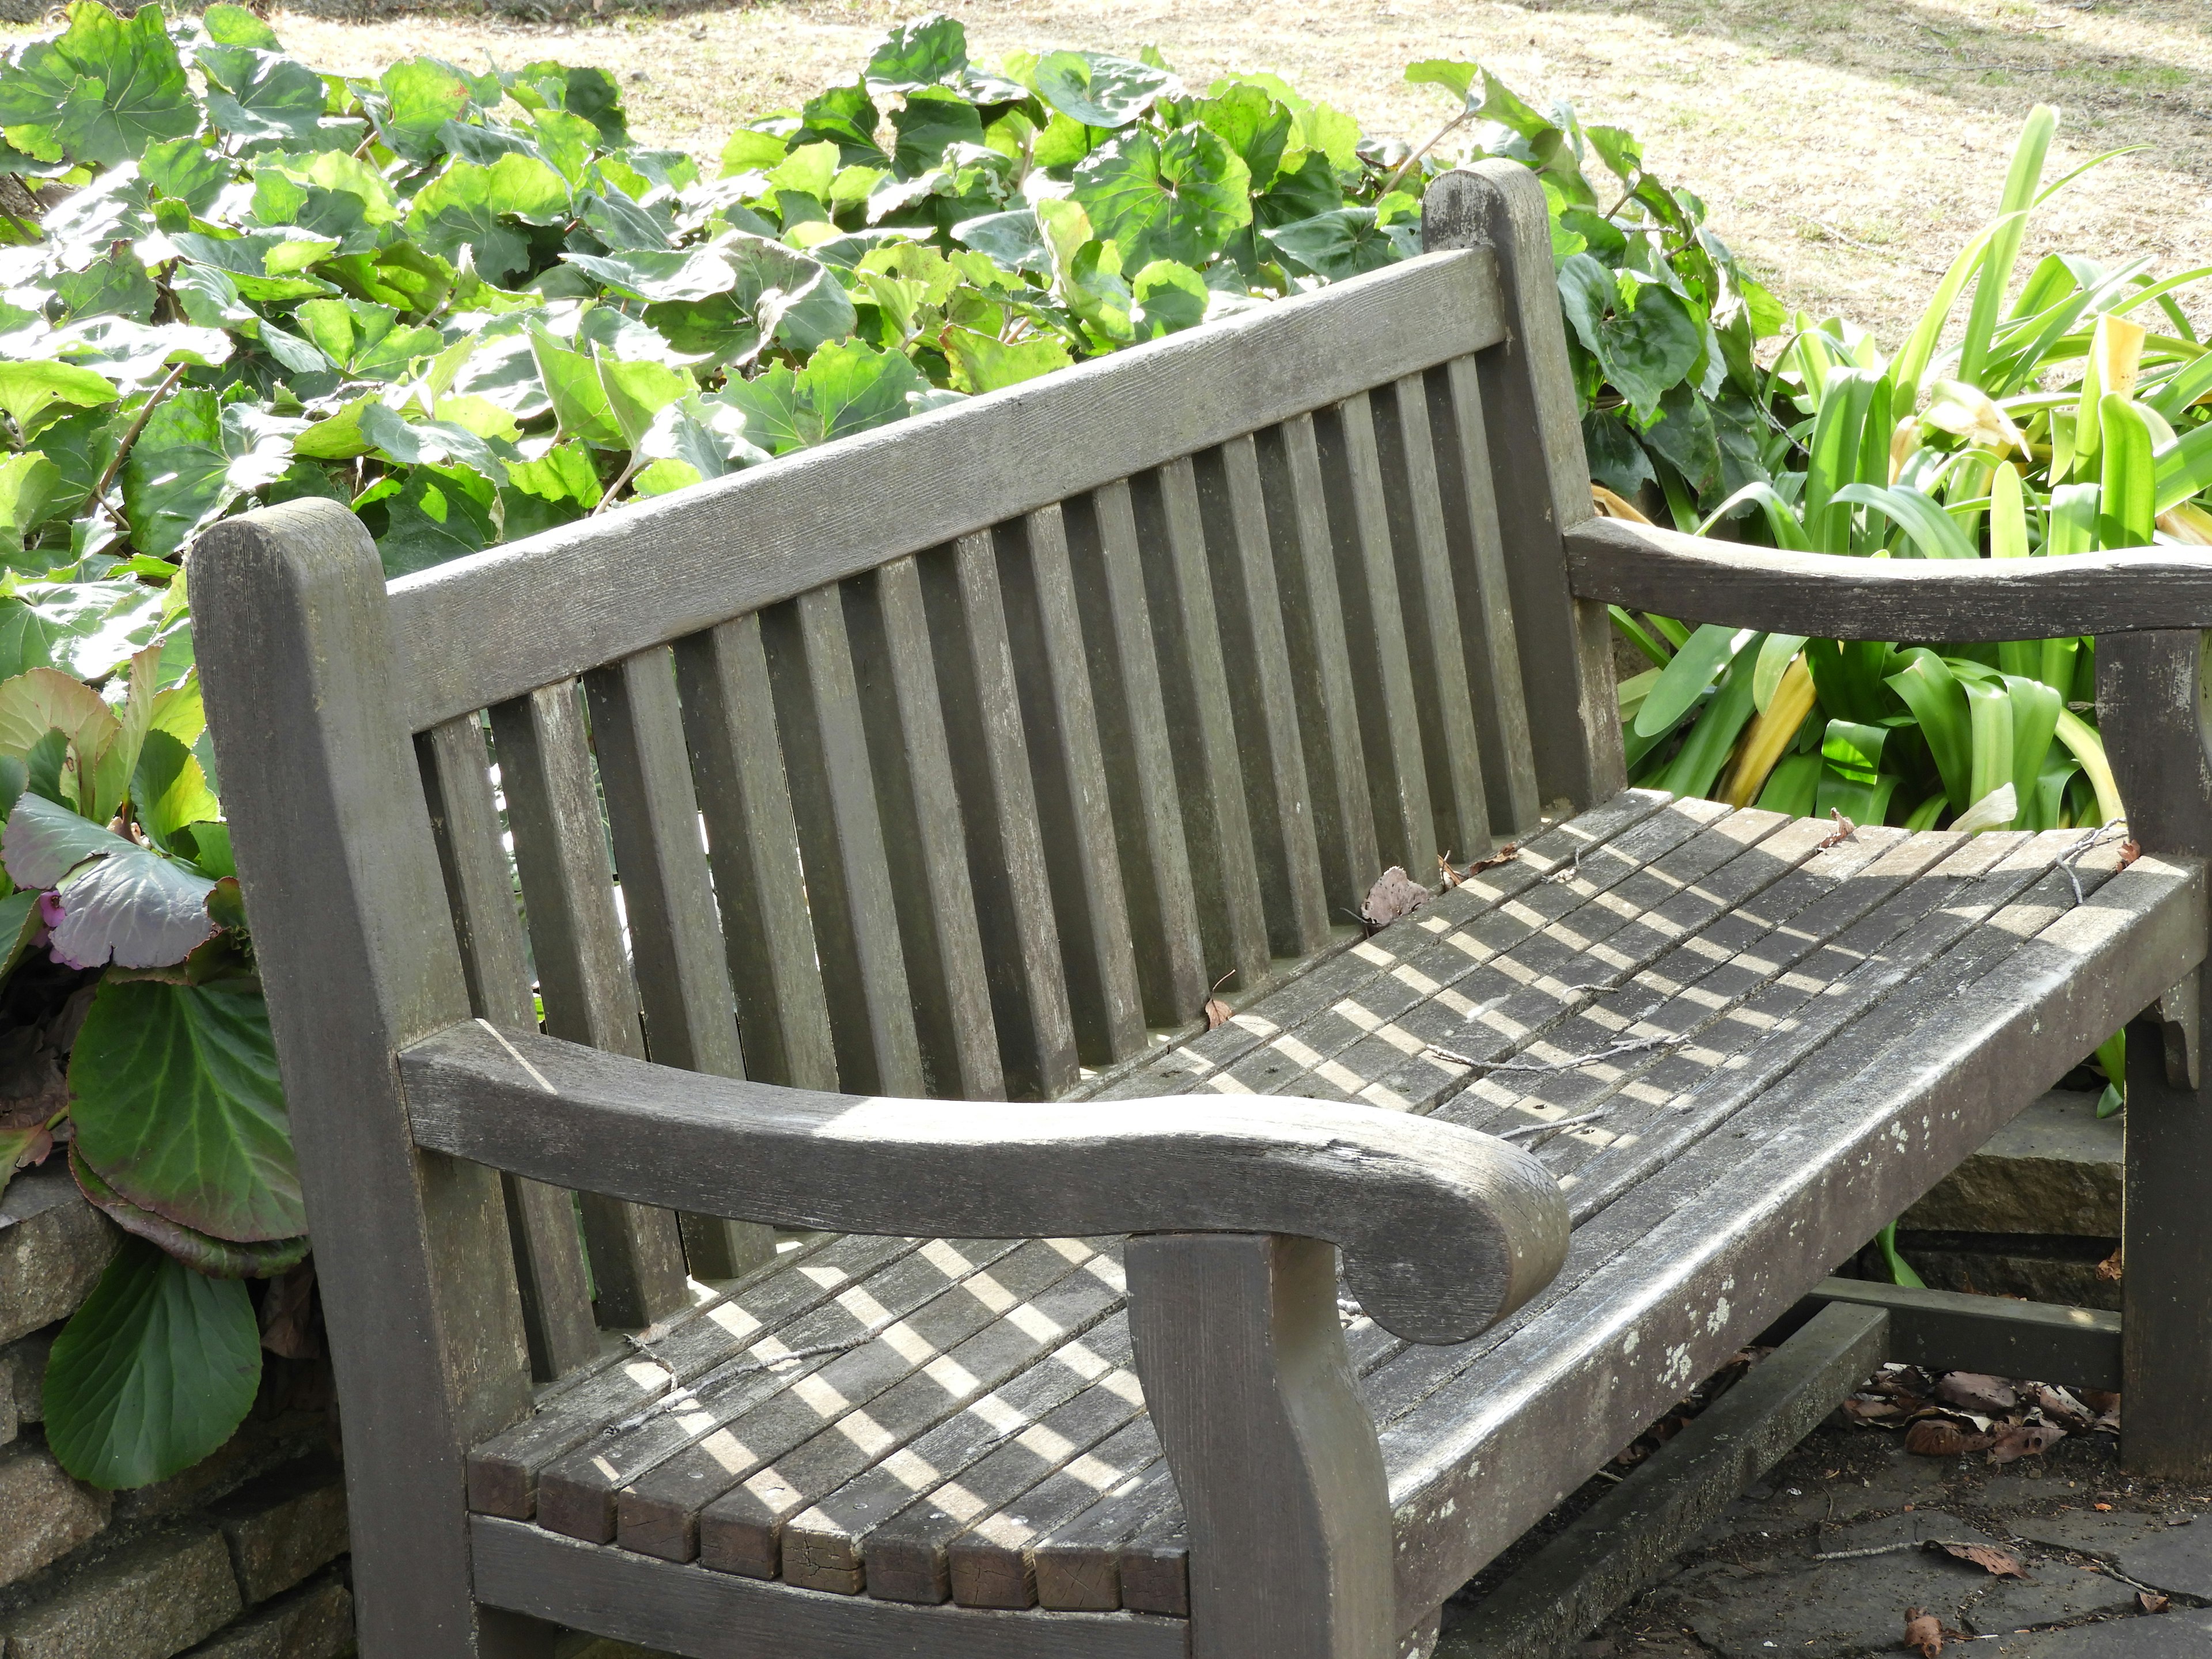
(1394,894)
(1217,1013)
(1505,854)
(1843,831)
(1937,1437)
(1986,1396)
(2002,1563)
(1923,1633)
(2017,1440)
(2129,851)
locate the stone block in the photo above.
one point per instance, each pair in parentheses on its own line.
(2054,1169)
(2042,1268)
(284,1526)
(149,1599)
(43,1513)
(23,1372)
(314,1621)
(52,1247)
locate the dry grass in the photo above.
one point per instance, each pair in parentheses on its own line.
(1836,141)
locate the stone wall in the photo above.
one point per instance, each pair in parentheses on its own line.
(240,1557)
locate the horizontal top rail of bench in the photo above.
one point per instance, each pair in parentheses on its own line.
(1830,597)
(502,622)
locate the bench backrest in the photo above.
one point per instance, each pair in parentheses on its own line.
(1013,730)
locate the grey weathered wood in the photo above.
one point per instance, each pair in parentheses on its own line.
(729,720)
(1445,1229)
(1068,770)
(2130,591)
(583,971)
(1627,1540)
(1541,477)
(1321,662)
(690,1610)
(1426,583)
(925,855)
(1195,683)
(1133,739)
(841,840)
(991,1565)
(480,631)
(1947,1330)
(2150,708)
(1232,501)
(1245,1375)
(676,949)
(335,847)
(998,806)
(549,1250)
(1483,593)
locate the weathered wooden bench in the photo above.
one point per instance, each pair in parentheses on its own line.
(957,765)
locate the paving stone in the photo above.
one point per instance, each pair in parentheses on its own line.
(2052,1592)
(2177,1559)
(43,1513)
(148,1599)
(2054,1169)
(284,1525)
(1824,1610)
(23,1373)
(2178,1634)
(314,1621)
(52,1247)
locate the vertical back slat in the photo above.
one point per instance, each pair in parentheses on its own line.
(583,974)
(1321,663)
(1256,658)
(1217,830)
(1438,658)
(549,1252)
(1383,673)
(1005,853)
(927,854)
(1486,606)
(840,838)
(1068,770)
(668,901)
(1139,754)
(737,766)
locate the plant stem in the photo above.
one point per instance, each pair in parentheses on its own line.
(615,488)
(1435,138)
(131,437)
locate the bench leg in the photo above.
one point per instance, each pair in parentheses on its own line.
(1244,1365)
(2165,1318)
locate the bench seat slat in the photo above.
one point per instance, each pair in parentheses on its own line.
(583,970)
(549,1250)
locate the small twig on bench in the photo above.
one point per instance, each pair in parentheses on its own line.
(1576,868)
(1547,1126)
(1632,1045)
(2081,848)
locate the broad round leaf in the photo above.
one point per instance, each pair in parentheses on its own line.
(470,206)
(218,1258)
(28,389)
(156,1369)
(918,54)
(178,1105)
(1098,89)
(133,907)
(1180,198)
(100,91)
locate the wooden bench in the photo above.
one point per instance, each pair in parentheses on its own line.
(954,767)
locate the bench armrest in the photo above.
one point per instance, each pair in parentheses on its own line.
(1444,1231)
(1825,596)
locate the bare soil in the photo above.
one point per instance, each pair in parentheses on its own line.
(1846,148)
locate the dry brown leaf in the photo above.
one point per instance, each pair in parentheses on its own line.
(1505,854)
(2060,1406)
(1449,877)
(2000,1563)
(2109,1269)
(2102,1402)
(1394,894)
(2129,851)
(288,1329)
(1985,1397)
(2151,1601)
(2017,1440)
(1843,831)
(1938,1436)
(1217,1013)
(1860,1409)
(1923,1633)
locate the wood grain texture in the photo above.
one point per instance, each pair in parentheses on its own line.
(1628,1539)
(1645,567)
(335,848)
(1541,476)
(1140,758)
(2150,708)
(479,630)
(737,766)
(676,949)
(925,852)
(1283,1486)
(712,1615)
(1948,1330)
(998,807)
(583,967)
(1067,773)
(1445,1229)
(1321,662)
(549,1250)
(840,842)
